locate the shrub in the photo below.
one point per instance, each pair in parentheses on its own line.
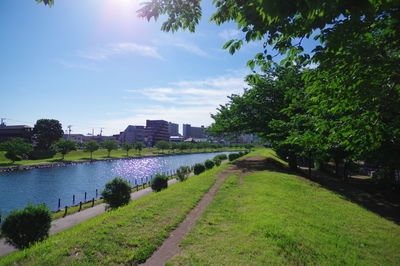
(22,228)
(233,156)
(209,164)
(217,161)
(182,173)
(241,153)
(159,182)
(221,157)
(198,168)
(117,193)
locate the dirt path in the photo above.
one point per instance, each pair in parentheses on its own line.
(171,247)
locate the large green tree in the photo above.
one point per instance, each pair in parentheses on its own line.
(15,148)
(46,132)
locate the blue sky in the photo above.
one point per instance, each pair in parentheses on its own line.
(94,63)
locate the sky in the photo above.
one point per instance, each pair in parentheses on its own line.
(95,64)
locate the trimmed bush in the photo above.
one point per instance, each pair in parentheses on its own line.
(117,193)
(22,228)
(221,157)
(209,164)
(198,168)
(233,156)
(241,153)
(159,182)
(217,161)
(182,173)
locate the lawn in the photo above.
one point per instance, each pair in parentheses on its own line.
(273,218)
(80,155)
(123,236)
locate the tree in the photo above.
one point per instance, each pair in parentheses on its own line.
(138,146)
(15,148)
(162,145)
(22,228)
(127,146)
(159,182)
(110,145)
(46,132)
(64,146)
(91,146)
(262,110)
(117,193)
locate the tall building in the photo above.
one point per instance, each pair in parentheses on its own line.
(193,132)
(132,134)
(173,129)
(156,130)
(186,131)
(198,132)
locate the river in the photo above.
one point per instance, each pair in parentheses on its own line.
(47,185)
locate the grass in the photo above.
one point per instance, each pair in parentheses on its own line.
(128,235)
(272,218)
(102,154)
(74,209)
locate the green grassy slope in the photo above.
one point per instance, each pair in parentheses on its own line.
(273,218)
(127,235)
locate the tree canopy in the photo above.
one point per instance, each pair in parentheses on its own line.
(110,145)
(46,132)
(15,148)
(64,146)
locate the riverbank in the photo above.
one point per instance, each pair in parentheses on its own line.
(263,213)
(128,235)
(49,163)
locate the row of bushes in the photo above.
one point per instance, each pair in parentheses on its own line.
(24,227)
(234,156)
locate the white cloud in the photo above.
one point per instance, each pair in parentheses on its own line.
(122,48)
(229,34)
(185,101)
(210,91)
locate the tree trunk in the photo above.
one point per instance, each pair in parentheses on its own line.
(309,164)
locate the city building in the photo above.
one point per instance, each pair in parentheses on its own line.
(173,129)
(176,139)
(17,131)
(156,130)
(194,132)
(79,138)
(186,131)
(132,134)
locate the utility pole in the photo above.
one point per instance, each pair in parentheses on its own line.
(69,130)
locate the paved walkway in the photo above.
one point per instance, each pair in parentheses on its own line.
(76,218)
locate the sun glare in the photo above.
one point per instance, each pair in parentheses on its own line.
(119,15)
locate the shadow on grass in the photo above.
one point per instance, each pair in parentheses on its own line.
(363,192)
(8,164)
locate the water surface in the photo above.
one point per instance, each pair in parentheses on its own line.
(47,185)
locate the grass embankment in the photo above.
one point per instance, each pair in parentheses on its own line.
(123,236)
(272,218)
(102,154)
